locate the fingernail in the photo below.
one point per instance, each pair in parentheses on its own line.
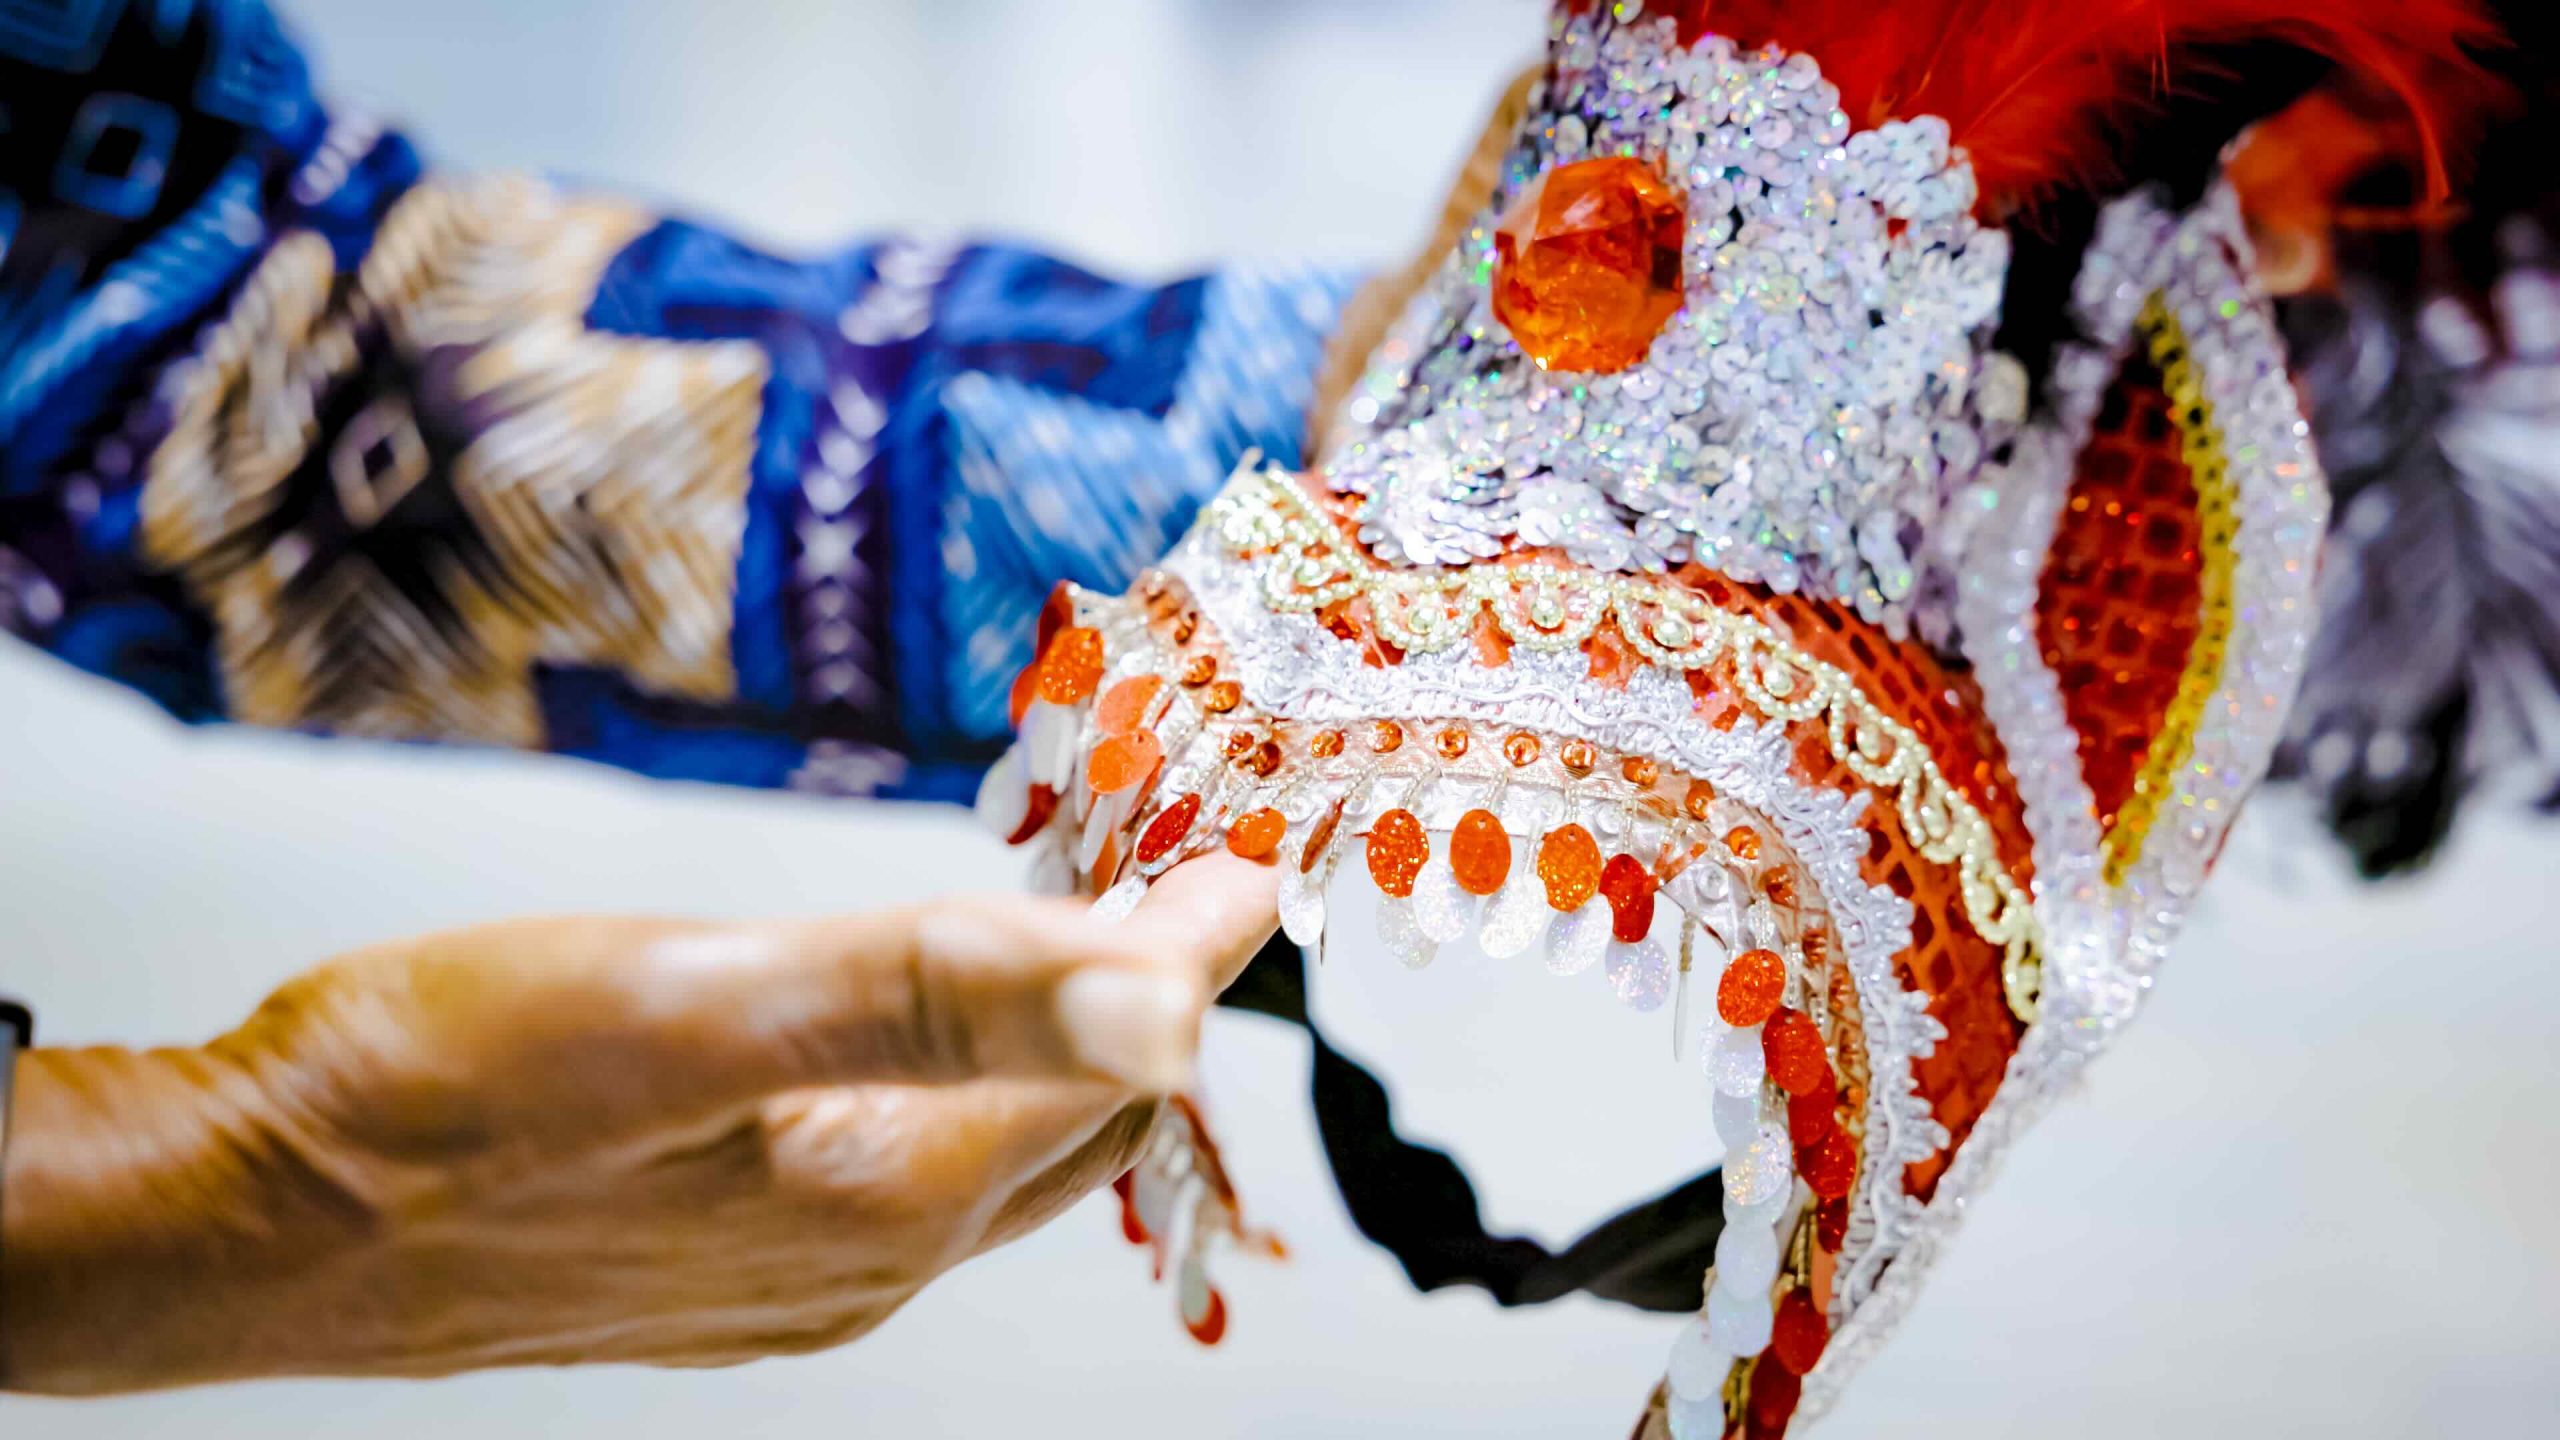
(1138,1028)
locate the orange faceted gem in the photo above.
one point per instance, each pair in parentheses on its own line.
(1326,744)
(1266,759)
(1744,841)
(1639,771)
(1223,697)
(1124,706)
(1257,834)
(1800,1335)
(1629,887)
(1453,743)
(1397,848)
(1752,986)
(1580,755)
(1792,1047)
(1780,887)
(1385,736)
(1199,670)
(1167,829)
(1569,863)
(1587,265)
(1700,796)
(1121,761)
(1071,666)
(1237,743)
(1480,852)
(1520,748)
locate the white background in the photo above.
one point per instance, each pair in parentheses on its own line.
(2310,1193)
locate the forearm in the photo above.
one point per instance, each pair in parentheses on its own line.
(146,1215)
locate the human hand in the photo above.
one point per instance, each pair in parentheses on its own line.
(563,1141)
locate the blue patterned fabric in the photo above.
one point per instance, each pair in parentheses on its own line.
(296,433)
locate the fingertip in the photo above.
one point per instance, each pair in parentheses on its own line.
(1140,1027)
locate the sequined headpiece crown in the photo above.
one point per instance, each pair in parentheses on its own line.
(1697,596)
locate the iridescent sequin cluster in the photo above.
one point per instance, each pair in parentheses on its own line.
(1805,418)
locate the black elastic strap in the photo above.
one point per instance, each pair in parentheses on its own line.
(1416,1202)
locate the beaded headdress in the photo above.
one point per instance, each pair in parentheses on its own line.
(1762,569)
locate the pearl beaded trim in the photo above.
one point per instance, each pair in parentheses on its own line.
(1304,563)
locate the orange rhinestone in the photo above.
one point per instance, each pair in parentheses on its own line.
(1587,264)
(1629,887)
(1124,706)
(1811,1115)
(1256,835)
(1792,1048)
(1480,852)
(1831,1224)
(1569,864)
(1397,848)
(1167,829)
(1035,817)
(1780,887)
(1199,670)
(1521,749)
(1223,697)
(1800,1334)
(1185,627)
(1319,837)
(1326,744)
(1026,688)
(1753,984)
(1579,756)
(1744,841)
(1385,736)
(1700,796)
(1072,666)
(1056,614)
(1775,1393)
(1453,743)
(1829,1165)
(1266,759)
(1238,742)
(1123,761)
(1639,771)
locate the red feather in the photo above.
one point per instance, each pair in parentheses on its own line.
(2037,91)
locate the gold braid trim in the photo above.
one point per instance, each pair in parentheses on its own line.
(2218,537)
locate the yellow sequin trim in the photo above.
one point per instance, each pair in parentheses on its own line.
(2218,537)
(1303,564)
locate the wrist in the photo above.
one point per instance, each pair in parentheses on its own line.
(137,1234)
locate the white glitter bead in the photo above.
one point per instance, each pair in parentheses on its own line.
(1301,903)
(1400,931)
(1759,1170)
(1698,1368)
(1761,1214)
(1441,905)
(1004,797)
(1739,1321)
(1747,1256)
(1737,1119)
(1640,973)
(1734,1060)
(1517,916)
(1697,1419)
(1578,939)
(1116,902)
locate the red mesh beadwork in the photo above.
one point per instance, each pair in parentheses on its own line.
(2119,608)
